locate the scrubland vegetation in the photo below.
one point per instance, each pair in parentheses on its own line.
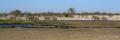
(14,22)
(32,20)
(71,24)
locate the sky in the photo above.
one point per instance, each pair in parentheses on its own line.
(60,5)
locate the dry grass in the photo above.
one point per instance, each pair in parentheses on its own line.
(94,24)
(60,34)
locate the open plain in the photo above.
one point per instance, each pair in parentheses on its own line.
(59,34)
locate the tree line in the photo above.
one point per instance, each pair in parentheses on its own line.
(70,11)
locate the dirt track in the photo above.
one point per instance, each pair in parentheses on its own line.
(60,34)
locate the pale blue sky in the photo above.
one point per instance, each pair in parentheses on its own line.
(60,5)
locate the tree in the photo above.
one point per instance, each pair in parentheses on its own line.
(1,14)
(66,15)
(16,12)
(111,15)
(71,10)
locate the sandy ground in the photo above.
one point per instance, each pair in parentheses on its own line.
(59,34)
